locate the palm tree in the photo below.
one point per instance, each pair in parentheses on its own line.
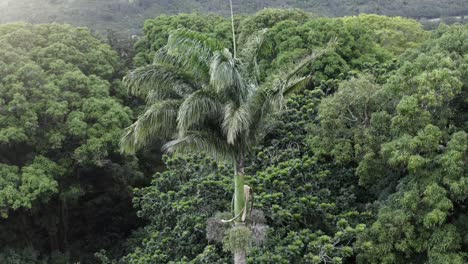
(201,97)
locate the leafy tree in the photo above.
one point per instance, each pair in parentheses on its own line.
(359,47)
(59,130)
(177,204)
(313,209)
(395,34)
(268,18)
(407,139)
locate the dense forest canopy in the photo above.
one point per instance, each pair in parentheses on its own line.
(61,118)
(128,15)
(365,164)
(330,174)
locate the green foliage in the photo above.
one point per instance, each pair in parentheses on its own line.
(59,131)
(304,199)
(36,182)
(430,200)
(203,98)
(157,31)
(396,34)
(400,137)
(294,34)
(183,197)
(237,238)
(177,205)
(268,18)
(365,162)
(345,118)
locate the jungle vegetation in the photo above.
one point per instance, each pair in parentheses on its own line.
(352,132)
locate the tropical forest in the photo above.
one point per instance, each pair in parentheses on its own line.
(219,132)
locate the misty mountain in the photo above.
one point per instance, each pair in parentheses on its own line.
(128,15)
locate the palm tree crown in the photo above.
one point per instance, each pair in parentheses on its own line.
(200,97)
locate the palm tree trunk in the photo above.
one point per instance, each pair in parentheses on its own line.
(239,196)
(240,257)
(239,206)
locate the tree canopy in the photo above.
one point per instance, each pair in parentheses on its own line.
(60,124)
(366,163)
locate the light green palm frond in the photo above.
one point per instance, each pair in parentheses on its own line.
(196,109)
(252,47)
(258,105)
(195,73)
(158,82)
(178,90)
(164,82)
(250,52)
(236,121)
(159,119)
(270,96)
(141,80)
(205,141)
(225,76)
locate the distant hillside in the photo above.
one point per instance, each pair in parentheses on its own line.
(128,15)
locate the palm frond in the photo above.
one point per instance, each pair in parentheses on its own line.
(141,80)
(160,120)
(258,104)
(236,120)
(225,77)
(157,82)
(203,141)
(250,51)
(296,84)
(191,71)
(197,108)
(252,47)
(199,93)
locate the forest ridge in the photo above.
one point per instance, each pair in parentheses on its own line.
(128,15)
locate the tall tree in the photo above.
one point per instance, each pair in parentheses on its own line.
(203,98)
